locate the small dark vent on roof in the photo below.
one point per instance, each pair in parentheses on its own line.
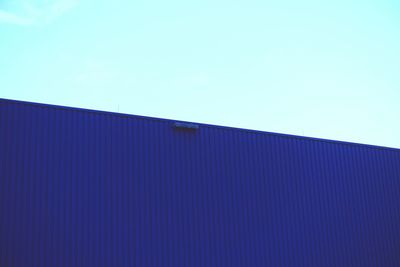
(186,126)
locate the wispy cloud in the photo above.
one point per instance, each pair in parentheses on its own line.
(32,12)
(7,17)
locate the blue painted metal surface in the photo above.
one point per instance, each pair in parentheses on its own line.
(87,188)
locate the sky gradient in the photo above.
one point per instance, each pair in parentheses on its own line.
(327,69)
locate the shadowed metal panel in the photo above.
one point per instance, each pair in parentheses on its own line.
(86,188)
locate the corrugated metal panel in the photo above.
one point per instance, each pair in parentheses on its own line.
(86,188)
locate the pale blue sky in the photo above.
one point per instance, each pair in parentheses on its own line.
(327,69)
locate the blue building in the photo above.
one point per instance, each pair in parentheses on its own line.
(84,188)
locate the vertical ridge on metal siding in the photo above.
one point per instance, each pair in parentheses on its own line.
(80,188)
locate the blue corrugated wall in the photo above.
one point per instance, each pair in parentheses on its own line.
(91,189)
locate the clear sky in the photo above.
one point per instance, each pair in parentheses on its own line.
(328,69)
